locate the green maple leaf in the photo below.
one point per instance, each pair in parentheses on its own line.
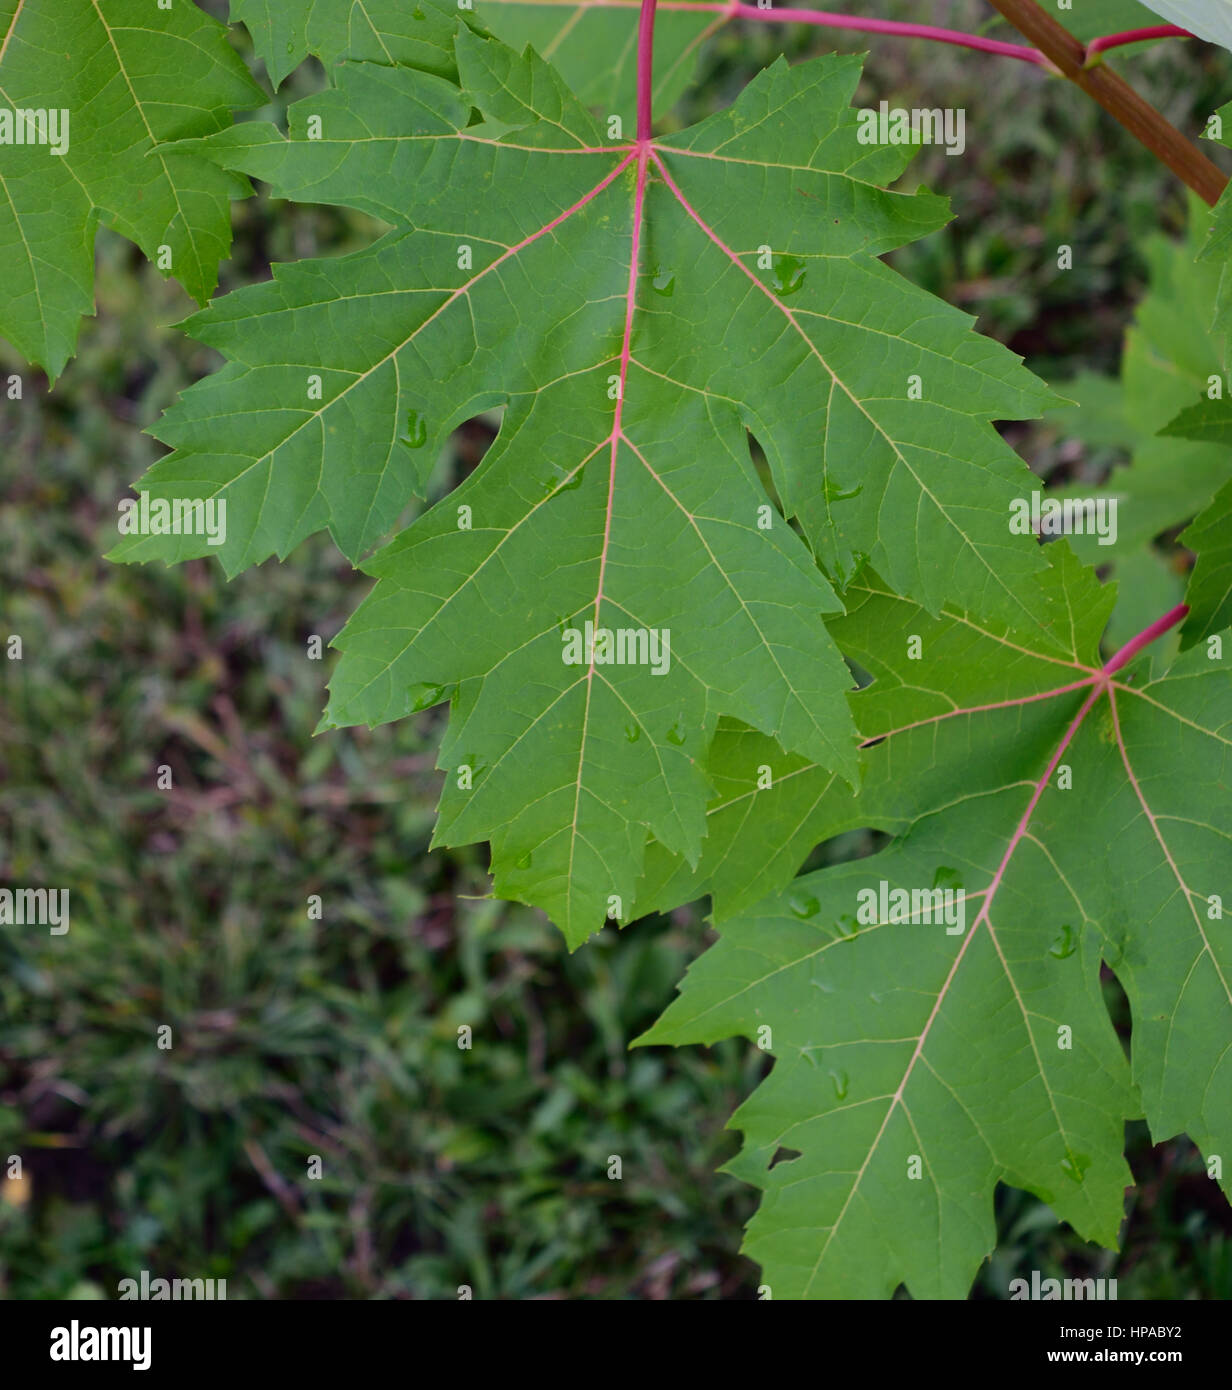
(1181,465)
(132,77)
(629,308)
(1169,358)
(1086,815)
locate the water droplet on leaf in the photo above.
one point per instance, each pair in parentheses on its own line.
(803,905)
(1075,1166)
(632,732)
(841,1084)
(664,282)
(788,275)
(847,570)
(416,435)
(848,925)
(1065,944)
(835,494)
(676,734)
(945,877)
(423,695)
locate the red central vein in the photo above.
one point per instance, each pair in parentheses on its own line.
(645,62)
(1145,638)
(626,352)
(645,54)
(643,149)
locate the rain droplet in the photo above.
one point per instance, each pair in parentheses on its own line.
(570,483)
(632,732)
(290,46)
(524,862)
(788,275)
(1075,1166)
(423,695)
(416,435)
(845,571)
(841,1084)
(1065,944)
(835,494)
(417,13)
(803,905)
(664,282)
(675,734)
(945,877)
(848,925)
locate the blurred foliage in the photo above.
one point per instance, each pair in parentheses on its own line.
(295,1037)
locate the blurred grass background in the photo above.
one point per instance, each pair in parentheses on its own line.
(295,1037)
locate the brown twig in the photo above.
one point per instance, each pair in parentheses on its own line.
(1116,96)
